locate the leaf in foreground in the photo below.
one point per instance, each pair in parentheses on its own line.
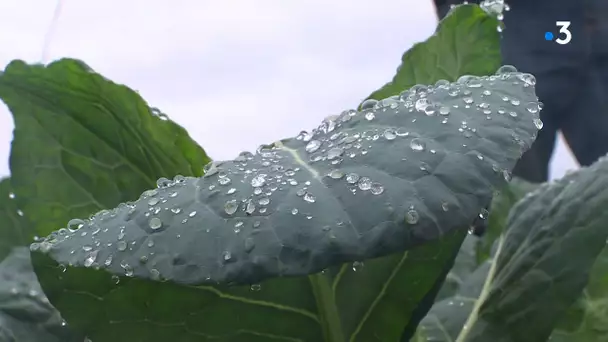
(587,319)
(25,312)
(540,267)
(96,139)
(362,185)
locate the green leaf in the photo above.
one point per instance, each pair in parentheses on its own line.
(13,229)
(82,143)
(25,312)
(476,250)
(464,264)
(362,185)
(502,202)
(587,319)
(540,266)
(466,42)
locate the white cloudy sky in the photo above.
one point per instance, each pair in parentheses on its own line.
(235,73)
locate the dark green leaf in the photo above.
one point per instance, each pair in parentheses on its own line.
(587,319)
(540,267)
(476,250)
(292,210)
(464,264)
(336,195)
(466,42)
(25,312)
(13,230)
(82,143)
(502,203)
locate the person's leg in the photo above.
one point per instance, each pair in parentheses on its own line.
(557,69)
(585,127)
(554,89)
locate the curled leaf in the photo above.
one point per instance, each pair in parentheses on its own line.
(402,172)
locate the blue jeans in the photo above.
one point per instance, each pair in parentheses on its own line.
(572,79)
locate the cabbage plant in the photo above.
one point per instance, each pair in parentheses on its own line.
(116,225)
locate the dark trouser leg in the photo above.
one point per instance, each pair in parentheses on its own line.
(559,69)
(586,125)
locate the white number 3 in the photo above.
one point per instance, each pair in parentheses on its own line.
(563,29)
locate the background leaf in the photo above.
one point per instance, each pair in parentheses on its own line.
(466,42)
(14,231)
(25,312)
(83,143)
(476,250)
(502,202)
(540,267)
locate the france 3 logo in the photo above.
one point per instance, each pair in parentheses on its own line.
(564,36)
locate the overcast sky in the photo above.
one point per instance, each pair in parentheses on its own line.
(235,73)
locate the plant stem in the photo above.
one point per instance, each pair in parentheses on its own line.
(462,337)
(326,304)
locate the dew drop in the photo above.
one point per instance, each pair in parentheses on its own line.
(505,69)
(390,134)
(75,224)
(230,207)
(402,132)
(352,178)
(421,104)
(368,104)
(483,214)
(309,198)
(313,146)
(88,262)
(250,207)
(377,188)
(357,266)
(365,183)
(256,287)
(445,206)
(334,153)
(121,245)
(506,175)
(155,223)
(258,180)
(417,144)
(336,174)
(538,123)
(227,256)
(128,270)
(412,216)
